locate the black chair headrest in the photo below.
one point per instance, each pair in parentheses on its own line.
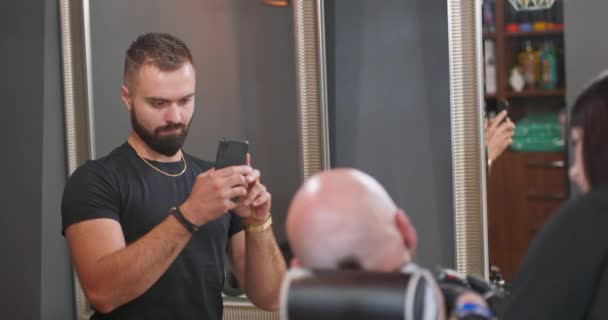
(358,295)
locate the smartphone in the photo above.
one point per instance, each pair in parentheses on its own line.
(231,153)
(502,105)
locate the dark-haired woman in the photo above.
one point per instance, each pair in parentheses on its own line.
(565,273)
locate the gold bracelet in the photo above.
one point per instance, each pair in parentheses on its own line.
(260,227)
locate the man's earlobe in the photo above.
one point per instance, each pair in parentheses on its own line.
(125,96)
(405,227)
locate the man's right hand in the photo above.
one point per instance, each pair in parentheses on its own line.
(499,135)
(212,191)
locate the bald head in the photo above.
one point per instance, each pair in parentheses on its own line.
(344,217)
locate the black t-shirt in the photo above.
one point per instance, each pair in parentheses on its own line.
(565,272)
(122,187)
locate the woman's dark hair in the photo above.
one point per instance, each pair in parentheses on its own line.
(590,113)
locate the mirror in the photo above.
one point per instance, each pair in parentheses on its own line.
(392,88)
(389,108)
(243,54)
(524,63)
(559,50)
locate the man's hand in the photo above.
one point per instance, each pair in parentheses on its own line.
(254,208)
(258,263)
(499,135)
(212,191)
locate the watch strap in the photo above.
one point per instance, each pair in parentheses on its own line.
(191,227)
(260,227)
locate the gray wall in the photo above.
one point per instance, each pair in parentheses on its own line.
(389,92)
(35,272)
(22,90)
(243,53)
(586,52)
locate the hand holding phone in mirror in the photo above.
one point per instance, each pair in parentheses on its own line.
(212,191)
(499,133)
(254,208)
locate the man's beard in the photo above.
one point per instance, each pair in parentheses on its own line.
(167,145)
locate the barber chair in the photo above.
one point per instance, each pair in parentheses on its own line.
(360,295)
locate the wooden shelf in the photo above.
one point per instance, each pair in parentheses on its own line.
(537,93)
(489,35)
(520,34)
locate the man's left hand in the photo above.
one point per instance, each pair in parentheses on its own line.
(254,208)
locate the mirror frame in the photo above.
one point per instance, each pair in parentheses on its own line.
(78,103)
(466,95)
(468,140)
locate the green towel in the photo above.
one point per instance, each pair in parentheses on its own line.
(539,132)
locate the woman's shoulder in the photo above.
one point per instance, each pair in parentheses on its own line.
(591,204)
(587,213)
(597,198)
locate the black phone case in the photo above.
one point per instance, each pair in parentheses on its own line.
(231,153)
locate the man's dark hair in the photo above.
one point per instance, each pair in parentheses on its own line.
(590,113)
(162,50)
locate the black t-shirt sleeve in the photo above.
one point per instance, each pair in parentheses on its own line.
(89,194)
(236,225)
(559,274)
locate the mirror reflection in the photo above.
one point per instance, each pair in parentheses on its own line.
(525,86)
(148,103)
(389,108)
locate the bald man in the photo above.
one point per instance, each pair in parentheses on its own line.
(366,228)
(344,219)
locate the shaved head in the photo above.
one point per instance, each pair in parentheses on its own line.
(344,218)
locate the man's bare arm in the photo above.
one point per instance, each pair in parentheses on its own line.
(112,273)
(259,267)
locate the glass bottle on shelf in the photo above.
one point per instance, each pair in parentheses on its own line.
(528,60)
(516,80)
(548,67)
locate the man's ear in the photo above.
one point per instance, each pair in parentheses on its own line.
(125,96)
(405,227)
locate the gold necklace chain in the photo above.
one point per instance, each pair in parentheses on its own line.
(165,173)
